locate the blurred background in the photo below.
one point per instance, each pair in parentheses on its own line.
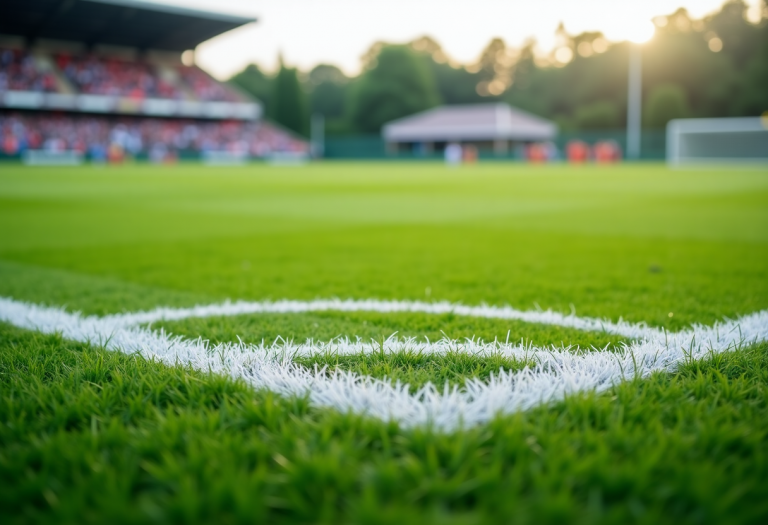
(91,77)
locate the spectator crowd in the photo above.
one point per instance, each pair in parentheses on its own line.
(204,87)
(96,75)
(20,72)
(160,139)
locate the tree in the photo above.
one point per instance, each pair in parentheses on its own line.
(288,105)
(327,87)
(598,115)
(579,86)
(455,84)
(396,84)
(255,82)
(665,102)
(718,63)
(737,35)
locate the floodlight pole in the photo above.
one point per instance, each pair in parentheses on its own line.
(634,101)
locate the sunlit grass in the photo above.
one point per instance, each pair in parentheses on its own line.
(636,242)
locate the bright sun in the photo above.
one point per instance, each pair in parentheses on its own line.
(639,32)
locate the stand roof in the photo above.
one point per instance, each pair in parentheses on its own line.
(131,23)
(470,122)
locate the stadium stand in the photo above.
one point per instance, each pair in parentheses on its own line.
(204,87)
(103,76)
(94,135)
(99,76)
(19,71)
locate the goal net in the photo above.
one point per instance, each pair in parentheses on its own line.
(717,140)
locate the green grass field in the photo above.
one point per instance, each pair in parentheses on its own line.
(93,436)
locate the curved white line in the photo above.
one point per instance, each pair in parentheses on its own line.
(623,328)
(558,372)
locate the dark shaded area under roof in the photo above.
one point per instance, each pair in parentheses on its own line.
(130,23)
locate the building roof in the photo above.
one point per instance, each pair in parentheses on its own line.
(130,23)
(471,122)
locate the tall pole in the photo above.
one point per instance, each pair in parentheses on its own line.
(634,101)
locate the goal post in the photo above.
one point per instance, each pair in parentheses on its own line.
(742,140)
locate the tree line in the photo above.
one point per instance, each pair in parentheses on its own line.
(716,66)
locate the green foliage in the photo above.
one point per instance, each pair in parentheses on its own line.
(578,94)
(327,99)
(89,436)
(595,87)
(728,83)
(738,36)
(755,100)
(255,82)
(456,85)
(328,88)
(397,85)
(598,115)
(288,101)
(665,102)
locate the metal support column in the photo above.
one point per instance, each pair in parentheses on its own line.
(634,102)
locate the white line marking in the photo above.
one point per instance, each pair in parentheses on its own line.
(558,372)
(623,328)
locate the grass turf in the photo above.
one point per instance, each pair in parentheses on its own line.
(638,241)
(93,436)
(412,367)
(90,436)
(324,326)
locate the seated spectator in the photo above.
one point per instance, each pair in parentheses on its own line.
(105,137)
(110,76)
(95,75)
(19,72)
(206,88)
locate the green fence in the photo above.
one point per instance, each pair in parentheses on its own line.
(653,146)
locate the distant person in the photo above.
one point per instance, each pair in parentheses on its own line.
(537,153)
(115,153)
(607,152)
(158,153)
(10,145)
(98,153)
(551,151)
(453,154)
(469,154)
(577,152)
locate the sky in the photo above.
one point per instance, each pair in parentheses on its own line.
(309,32)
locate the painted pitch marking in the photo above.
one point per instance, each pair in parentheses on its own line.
(557,373)
(623,328)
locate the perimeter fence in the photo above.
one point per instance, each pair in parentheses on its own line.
(653,146)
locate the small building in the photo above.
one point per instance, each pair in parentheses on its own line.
(494,126)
